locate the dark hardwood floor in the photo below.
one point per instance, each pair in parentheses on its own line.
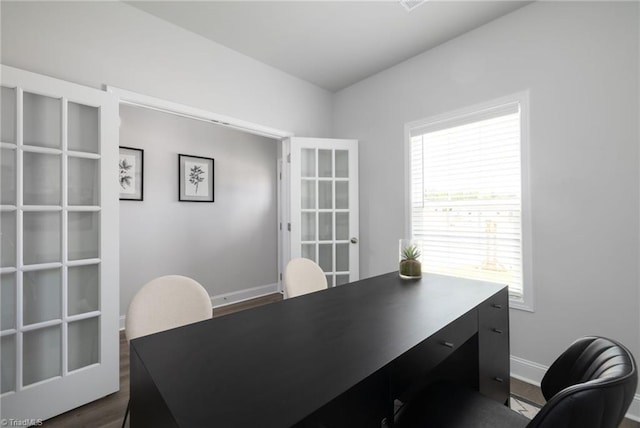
(108,412)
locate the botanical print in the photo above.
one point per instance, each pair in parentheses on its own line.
(127,166)
(196,178)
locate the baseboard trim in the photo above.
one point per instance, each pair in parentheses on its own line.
(527,371)
(233,297)
(242,295)
(532,373)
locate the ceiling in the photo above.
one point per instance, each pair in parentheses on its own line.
(331,44)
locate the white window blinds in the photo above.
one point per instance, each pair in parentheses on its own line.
(466,207)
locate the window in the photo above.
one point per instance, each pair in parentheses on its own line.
(467,194)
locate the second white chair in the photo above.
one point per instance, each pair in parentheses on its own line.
(303,276)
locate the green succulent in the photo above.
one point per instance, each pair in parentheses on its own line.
(410,266)
(410,253)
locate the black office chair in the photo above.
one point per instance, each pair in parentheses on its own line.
(591,385)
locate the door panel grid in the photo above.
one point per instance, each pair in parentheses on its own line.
(56,310)
(323,221)
(51,234)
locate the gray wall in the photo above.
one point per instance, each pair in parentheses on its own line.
(228,245)
(580,60)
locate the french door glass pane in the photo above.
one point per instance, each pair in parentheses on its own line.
(342,194)
(42,179)
(42,120)
(42,295)
(342,257)
(309,251)
(8,176)
(325,226)
(84,343)
(83,287)
(308,163)
(308,226)
(8,239)
(308,190)
(8,123)
(42,354)
(41,237)
(84,181)
(325,257)
(84,236)
(342,164)
(325,163)
(342,226)
(8,296)
(83,132)
(342,279)
(8,363)
(325,194)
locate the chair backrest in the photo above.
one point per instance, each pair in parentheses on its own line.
(166,302)
(303,276)
(591,385)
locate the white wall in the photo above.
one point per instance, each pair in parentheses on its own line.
(580,62)
(228,245)
(97,43)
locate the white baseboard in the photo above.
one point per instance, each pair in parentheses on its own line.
(242,295)
(527,371)
(530,372)
(234,297)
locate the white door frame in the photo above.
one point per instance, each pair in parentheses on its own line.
(140,100)
(166,106)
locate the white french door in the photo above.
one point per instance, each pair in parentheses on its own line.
(323,222)
(59,246)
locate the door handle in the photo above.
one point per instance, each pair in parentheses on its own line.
(354,240)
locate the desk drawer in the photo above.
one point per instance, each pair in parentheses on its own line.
(493,348)
(419,361)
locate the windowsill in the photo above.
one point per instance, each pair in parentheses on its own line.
(520,304)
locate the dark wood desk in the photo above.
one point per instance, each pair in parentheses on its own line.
(341,356)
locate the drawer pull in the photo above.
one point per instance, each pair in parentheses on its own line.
(498,379)
(495,330)
(448,344)
(497,306)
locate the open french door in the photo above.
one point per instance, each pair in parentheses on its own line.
(59,246)
(321,222)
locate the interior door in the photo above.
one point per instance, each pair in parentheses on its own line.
(59,246)
(323,223)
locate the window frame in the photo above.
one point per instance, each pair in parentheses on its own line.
(526,302)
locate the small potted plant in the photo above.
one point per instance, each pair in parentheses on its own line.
(410,265)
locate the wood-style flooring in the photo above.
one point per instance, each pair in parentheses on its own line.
(108,412)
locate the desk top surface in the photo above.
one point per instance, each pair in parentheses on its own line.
(273,365)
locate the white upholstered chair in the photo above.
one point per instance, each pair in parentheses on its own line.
(164,303)
(303,276)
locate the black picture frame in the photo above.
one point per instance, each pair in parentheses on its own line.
(195,178)
(131,176)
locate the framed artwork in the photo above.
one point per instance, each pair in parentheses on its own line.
(195,175)
(131,164)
